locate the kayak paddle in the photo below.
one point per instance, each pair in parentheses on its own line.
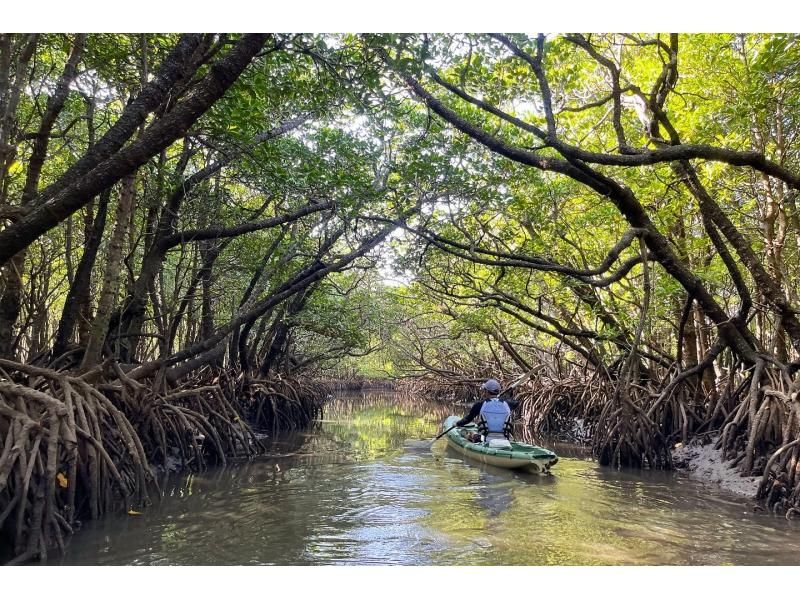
(519,381)
(442,434)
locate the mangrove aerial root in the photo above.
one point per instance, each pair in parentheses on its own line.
(282,403)
(427,388)
(65,449)
(74,446)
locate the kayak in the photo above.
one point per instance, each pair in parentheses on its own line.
(525,457)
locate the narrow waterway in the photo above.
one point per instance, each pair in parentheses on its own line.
(365,487)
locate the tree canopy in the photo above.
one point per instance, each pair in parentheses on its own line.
(617,209)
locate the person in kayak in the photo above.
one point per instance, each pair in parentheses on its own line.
(493,413)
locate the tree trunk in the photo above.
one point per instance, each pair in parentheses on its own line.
(78,304)
(72,192)
(282,326)
(208,256)
(111,277)
(11,273)
(135,304)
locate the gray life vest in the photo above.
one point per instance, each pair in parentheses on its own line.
(494,414)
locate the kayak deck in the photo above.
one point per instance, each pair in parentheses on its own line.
(521,456)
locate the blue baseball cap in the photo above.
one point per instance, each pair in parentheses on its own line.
(491,385)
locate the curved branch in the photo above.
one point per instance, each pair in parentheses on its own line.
(616,89)
(218,232)
(70,197)
(753,159)
(536,65)
(622,197)
(535,262)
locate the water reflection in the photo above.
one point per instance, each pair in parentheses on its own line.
(365,487)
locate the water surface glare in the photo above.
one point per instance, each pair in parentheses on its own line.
(365,487)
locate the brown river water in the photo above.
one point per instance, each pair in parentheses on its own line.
(365,487)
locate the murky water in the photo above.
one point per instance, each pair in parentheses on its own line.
(366,488)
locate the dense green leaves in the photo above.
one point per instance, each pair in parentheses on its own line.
(374,149)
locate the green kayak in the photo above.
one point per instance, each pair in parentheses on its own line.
(525,457)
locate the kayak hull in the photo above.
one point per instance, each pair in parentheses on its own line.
(521,457)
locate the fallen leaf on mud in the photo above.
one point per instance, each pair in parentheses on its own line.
(62,480)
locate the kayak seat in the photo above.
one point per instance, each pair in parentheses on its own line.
(498,443)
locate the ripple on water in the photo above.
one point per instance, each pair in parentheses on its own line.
(367,487)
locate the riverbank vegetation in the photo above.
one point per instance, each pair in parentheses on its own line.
(198,231)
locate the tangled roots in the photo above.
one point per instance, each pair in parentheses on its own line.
(282,403)
(565,409)
(71,448)
(66,448)
(355,384)
(441,390)
(627,437)
(625,426)
(762,436)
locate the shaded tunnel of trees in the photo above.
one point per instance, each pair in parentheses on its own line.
(197,229)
